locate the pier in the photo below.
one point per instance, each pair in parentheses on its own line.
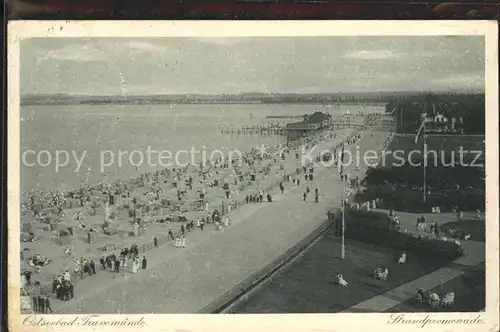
(256,130)
(282,130)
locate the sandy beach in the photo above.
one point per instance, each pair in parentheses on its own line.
(250,235)
(158,216)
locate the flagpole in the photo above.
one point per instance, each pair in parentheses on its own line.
(424,157)
(342,248)
(425,167)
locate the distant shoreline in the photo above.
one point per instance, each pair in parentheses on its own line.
(58,103)
(373,98)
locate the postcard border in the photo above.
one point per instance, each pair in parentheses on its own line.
(19,30)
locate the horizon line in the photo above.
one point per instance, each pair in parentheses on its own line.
(257,93)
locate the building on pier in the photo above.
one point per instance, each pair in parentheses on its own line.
(311,123)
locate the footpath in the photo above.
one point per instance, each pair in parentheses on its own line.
(189,279)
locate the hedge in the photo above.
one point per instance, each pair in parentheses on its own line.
(373,227)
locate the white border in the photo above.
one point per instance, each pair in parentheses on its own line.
(19,30)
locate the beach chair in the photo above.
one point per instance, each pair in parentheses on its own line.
(402,258)
(383,275)
(448,300)
(433,300)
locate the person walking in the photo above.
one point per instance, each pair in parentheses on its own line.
(103,263)
(202,224)
(41,304)
(304,195)
(436,229)
(82,272)
(67,275)
(171,234)
(47,305)
(155,242)
(34,300)
(54,285)
(71,290)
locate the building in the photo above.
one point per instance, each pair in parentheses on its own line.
(311,123)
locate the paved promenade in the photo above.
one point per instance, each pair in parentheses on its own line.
(186,280)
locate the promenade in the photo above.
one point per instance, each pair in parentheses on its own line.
(474,255)
(186,280)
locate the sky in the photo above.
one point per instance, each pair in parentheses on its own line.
(140,66)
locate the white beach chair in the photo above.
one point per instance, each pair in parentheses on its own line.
(402,259)
(448,300)
(433,300)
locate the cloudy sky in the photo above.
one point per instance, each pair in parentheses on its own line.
(105,66)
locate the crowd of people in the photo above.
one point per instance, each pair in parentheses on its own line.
(192,182)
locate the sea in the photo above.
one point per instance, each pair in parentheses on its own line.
(87,139)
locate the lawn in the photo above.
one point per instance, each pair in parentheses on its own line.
(476,228)
(308,284)
(469,292)
(438,142)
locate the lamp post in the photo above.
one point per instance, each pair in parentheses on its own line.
(342,248)
(425,166)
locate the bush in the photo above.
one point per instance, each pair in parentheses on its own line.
(373,227)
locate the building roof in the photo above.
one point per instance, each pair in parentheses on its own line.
(318,117)
(315,118)
(298,125)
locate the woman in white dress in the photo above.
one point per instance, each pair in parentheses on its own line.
(135,265)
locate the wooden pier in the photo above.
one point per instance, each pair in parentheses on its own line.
(256,130)
(282,130)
